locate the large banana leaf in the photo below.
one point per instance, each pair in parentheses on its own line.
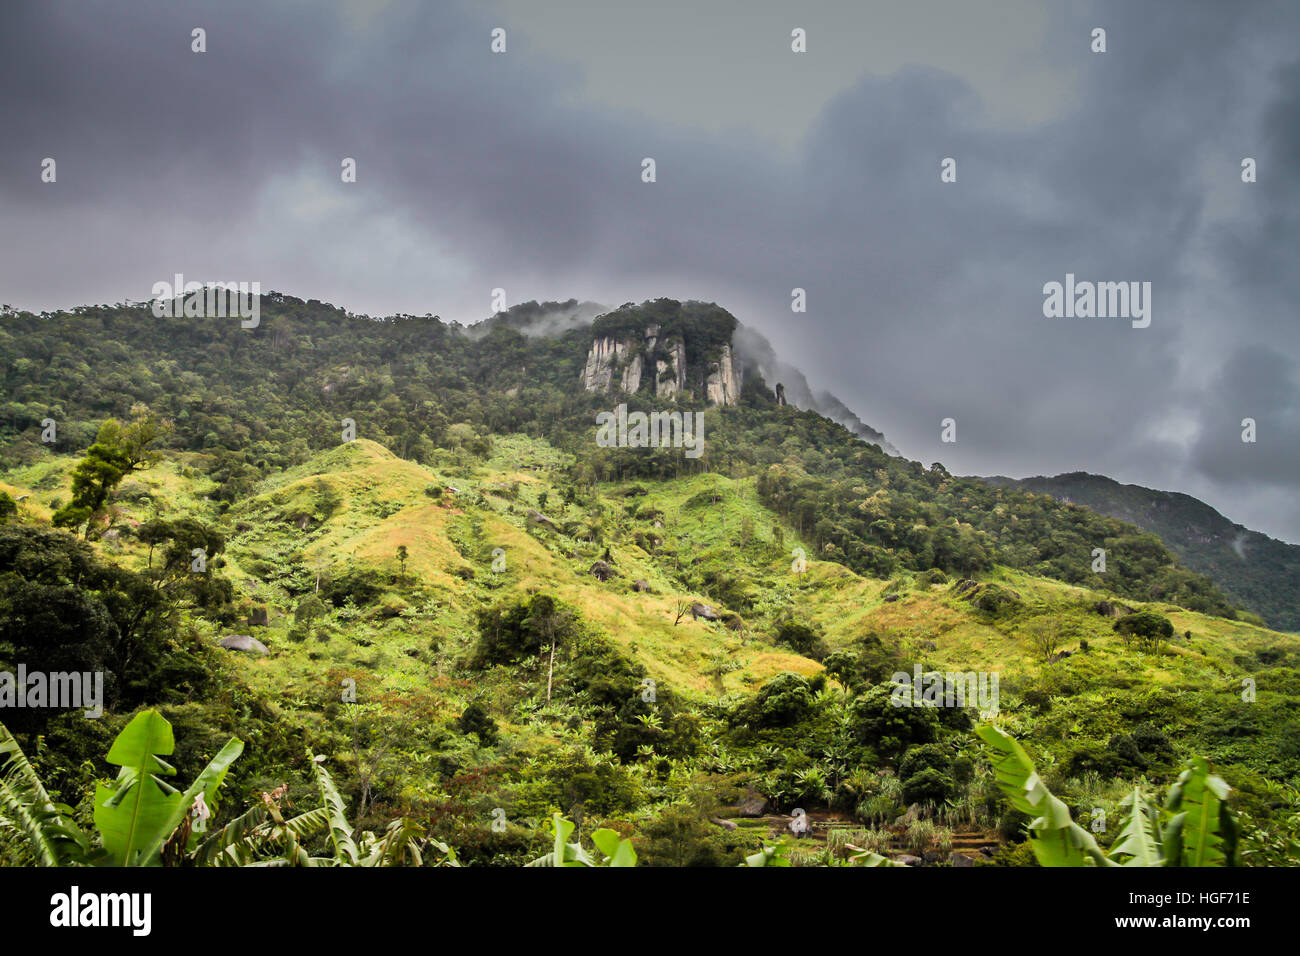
(140,811)
(563,853)
(45,829)
(1056,839)
(345,848)
(131,814)
(208,783)
(1202,831)
(232,845)
(617,852)
(1140,838)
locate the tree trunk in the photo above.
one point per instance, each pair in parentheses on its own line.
(550,671)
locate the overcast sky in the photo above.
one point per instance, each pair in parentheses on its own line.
(775,170)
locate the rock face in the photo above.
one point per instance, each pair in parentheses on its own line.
(723,384)
(648,359)
(243,642)
(604,356)
(670,374)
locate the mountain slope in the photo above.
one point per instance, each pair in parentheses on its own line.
(472,606)
(1262,573)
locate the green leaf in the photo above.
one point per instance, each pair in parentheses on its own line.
(1203,830)
(51,838)
(1139,839)
(1056,839)
(131,815)
(768,856)
(617,852)
(345,849)
(208,782)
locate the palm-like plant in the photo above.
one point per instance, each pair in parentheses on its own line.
(34,831)
(263,837)
(140,817)
(613,850)
(144,821)
(1196,827)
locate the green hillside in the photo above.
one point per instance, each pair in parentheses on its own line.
(479,615)
(1262,573)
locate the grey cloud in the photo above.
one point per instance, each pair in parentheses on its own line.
(925,299)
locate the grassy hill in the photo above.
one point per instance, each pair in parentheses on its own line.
(340,517)
(477,614)
(1263,573)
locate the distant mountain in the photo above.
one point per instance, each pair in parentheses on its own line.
(1260,572)
(664,347)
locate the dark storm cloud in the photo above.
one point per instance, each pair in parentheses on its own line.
(1257,383)
(925,299)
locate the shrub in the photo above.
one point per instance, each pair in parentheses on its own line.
(928,786)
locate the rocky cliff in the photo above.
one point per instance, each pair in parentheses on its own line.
(669,349)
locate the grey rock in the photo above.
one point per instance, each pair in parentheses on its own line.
(753,804)
(243,642)
(536,517)
(705,611)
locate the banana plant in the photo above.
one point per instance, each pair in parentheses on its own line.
(138,815)
(1196,827)
(613,850)
(139,812)
(34,830)
(263,836)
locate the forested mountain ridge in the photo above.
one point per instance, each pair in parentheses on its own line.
(471,607)
(1260,572)
(261,399)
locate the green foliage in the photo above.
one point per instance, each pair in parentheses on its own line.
(476,720)
(1197,826)
(1148,627)
(513,631)
(782,702)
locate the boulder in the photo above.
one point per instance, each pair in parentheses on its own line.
(259,617)
(725,824)
(960,859)
(753,804)
(536,517)
(640,585)
(1112,609)
(705,611)
(243,642)
(908,860)
(601,570)
(911,816)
